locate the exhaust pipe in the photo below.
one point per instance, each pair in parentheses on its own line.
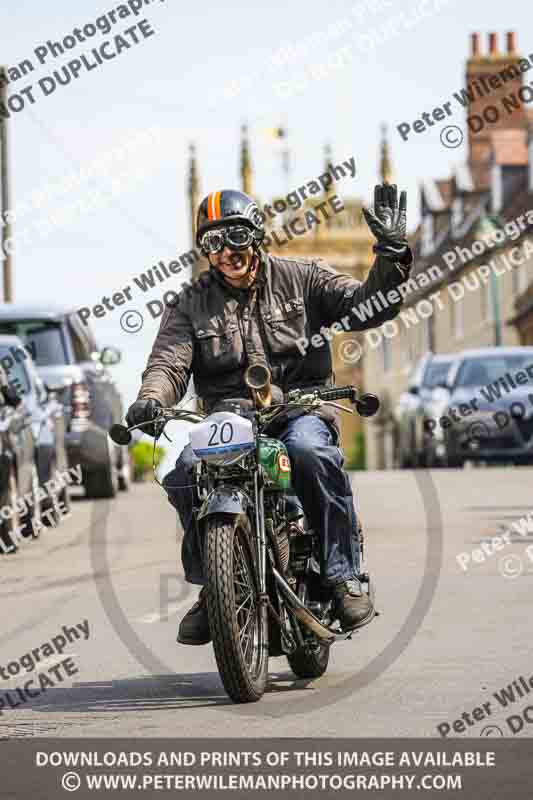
(258,378)
(302,613)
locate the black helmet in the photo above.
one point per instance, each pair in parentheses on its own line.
(229,206)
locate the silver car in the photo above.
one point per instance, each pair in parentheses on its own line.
(428,374)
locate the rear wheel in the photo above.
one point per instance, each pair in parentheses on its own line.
(238,622)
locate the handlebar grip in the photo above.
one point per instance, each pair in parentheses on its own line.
(346,393)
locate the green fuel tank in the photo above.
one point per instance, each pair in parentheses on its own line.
(275,462)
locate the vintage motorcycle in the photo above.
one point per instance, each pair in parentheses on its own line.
(264,593)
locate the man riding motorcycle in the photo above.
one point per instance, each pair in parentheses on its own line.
(253,308)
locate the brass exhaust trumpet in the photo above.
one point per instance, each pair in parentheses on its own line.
(258,378)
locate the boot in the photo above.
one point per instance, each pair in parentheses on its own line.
(352,606)
(194,627)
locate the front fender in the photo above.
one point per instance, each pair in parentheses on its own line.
(225,500)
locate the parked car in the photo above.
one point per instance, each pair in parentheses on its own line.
(48,419)
(18,464)
(488,413)
(429,373)
(69,362)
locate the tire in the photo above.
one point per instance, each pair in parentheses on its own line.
(104,482)
(50,504)
(66,498)
(244,674)
(33,521)
(9,525)
(454,461)
(124,475)
(309,662)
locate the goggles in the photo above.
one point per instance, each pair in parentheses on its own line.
(236,237)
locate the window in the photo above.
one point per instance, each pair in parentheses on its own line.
(386,353)
(480,371)
(43,338)
(519,274)
(486,302)
(457,309)
(427,235)
(79,345)
(436,373)
(457,213)
(427,334)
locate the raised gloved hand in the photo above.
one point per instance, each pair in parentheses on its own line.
(143,411)
(388,223)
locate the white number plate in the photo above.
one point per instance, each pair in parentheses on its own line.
(222,432)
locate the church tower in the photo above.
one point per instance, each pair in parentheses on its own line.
(385,167)
(246,163)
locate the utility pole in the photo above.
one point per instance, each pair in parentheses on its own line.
(4,194)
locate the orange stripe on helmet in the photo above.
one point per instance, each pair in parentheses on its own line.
(213,206)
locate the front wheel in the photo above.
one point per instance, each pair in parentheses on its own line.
(238,622)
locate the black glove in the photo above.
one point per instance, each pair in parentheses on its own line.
(388,223)
(143,411)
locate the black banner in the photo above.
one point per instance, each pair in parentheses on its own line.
(483,768)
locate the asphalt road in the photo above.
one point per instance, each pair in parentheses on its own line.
(446,640)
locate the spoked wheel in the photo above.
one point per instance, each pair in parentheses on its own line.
(237,621)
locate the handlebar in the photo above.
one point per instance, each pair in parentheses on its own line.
(366,405)
(345,393)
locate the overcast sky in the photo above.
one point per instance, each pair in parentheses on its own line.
(173,82)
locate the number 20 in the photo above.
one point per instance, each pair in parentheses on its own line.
(225,438)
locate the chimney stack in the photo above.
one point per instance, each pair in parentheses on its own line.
(480,69)
(493,45)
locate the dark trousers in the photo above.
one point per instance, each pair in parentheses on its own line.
(320,483)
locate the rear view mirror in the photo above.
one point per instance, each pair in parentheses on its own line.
(110,356)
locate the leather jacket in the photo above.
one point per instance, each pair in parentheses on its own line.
(213,331)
